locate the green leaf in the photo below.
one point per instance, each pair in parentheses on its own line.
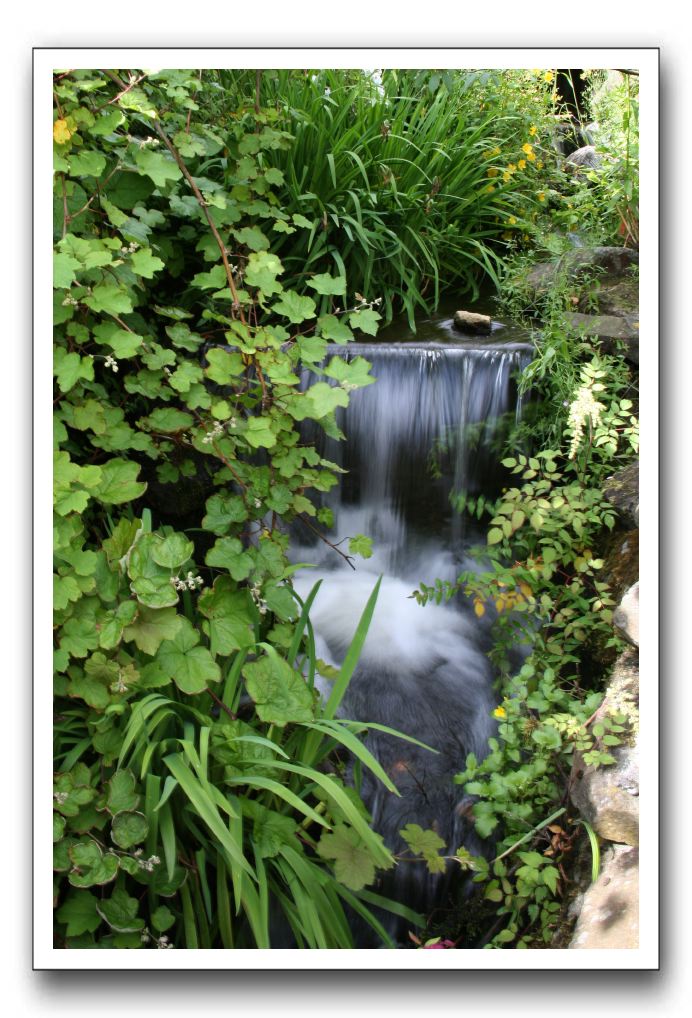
(334,328)
(120,911)
(90,865)
(354,373)
(297,309)
(222,512)
(145,264)
(158,165)
(353,862)
(281,694)
(259,433)
(108,297)
(173,551)
(129,829)
(495,536)
(86,163)
(360,545)
(327,284)
(68,368)
(119,482)
(150,581)
(123,342)
(162,919)
(167,420)
(228,553)
(365,320)
(191,667)
(425,843)
(223,366)
(229,624)
(121,792)
(262,270)
(322,399)
(64,267)
(252,236)
(79,913)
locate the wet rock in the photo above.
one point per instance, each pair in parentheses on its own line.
(612,332)
(608,796)
(612,260)
(609,916)
(622,491)
(470,322)
(626,616)
(621,564)
(584,158)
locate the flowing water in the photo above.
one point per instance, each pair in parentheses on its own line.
(426,431)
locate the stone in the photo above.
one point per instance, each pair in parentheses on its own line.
(470,322)
(622,491)
(612,260)
(584,158)
(626,616)
(609,917)
(610,330)
(621,562)
(608,796)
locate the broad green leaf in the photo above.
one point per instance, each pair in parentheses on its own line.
(121,792)
(228,553)
(150,581)
(108,297)
(129,829)
(158,165)
(227,610)
(167,420)
(180,335)
(327,284)
(360,545)
(79,913)
(119,482)
(353,862)
(222,512)
(120,911)
(262,270)
(90,866)
(145,264)
(322,399)
(68,368)
(64,268)
(425,843)
(297,309)
(354,373)
(185,376)
(365,320)
(86,163)
(252,236)
(191,667)
(259,433)
(334,328)
(223,366)
(122,342)
(162,919)
(106,122)
(280,694)
(172,551)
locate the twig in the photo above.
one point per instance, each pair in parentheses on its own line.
(221,704)
(310,526)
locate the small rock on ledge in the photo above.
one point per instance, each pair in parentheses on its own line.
(470,322)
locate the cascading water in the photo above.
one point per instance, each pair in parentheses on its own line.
(424,431)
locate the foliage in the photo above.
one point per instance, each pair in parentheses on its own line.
(193,802)
(402,182)
(540,584)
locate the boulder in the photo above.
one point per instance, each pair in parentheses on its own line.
(610,330)
(614,261)
(608,796)
(626,616)
(622,491)
(609,916)
(584,158)
(472,323)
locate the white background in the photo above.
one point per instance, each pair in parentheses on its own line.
(355,24)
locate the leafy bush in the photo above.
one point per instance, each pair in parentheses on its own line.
(193,804)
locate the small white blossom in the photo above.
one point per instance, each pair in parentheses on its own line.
(583,407)
(258,504)
(111,363)
(60,797)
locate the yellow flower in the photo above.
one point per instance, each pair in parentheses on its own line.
(532,157)
(522,164)
(512,167)
(488,154)
(492,171)
(541,195)
(506,175)
(527,148)
(532,129)
(512,220)
(507,235)
(548,76)
(489,188)
(61,132)
(496,151)
(539,164)
(499,712)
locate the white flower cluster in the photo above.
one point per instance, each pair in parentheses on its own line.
(111,363)
(70,302)
(360,305)
(119,686)
(189,582)
(60,797)
(161,942)
(143,142)
(130,249)
(255,594)
(348,386)
(213,435)
(582,407)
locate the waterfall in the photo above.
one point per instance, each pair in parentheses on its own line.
(428,428)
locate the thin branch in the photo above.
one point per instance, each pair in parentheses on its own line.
(313,528)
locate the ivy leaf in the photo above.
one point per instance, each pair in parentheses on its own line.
(252,236)
(223,366)
(162,919)
(425,843)
(261,271)
(167,420)
(222,512)
(173,551)
(64,267)
(152,627)
(68,368)
(106,123)
(353,862)
(280,694)
(91,866)
(326,284)
(360,545)
(280,601)
(87,163)
(145,264)
(215,279)
(123,342)
(180,335)
(114,300)
(119,482)
(297,309)
(322,399)
(129,829)
(121,792)
(229,624)
(354,373)
(191,667)
(79,913)
(150,582)
(158,165)
(334,328)
(365,320)
(228,553)
(120,911)
(259,433)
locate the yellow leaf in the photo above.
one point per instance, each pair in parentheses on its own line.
(500,603)
(61,132)
(478,607)
(525,589)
